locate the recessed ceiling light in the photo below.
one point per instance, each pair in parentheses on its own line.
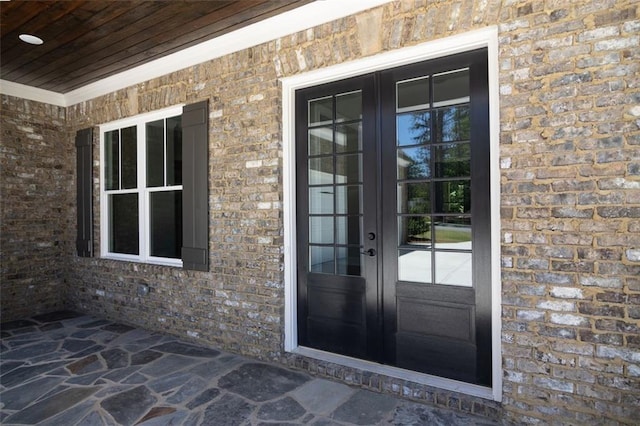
(31,39)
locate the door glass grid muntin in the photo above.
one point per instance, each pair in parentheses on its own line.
(332,118)
(448,221)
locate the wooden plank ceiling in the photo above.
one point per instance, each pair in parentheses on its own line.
(85,41)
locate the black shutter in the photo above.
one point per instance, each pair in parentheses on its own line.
(84,160)
(195,193)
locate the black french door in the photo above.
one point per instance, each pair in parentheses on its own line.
(393,218)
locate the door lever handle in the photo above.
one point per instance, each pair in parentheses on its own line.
(370,252)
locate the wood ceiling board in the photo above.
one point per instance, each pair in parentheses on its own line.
(88,47)
(151,49)
(86,41)
(21,58)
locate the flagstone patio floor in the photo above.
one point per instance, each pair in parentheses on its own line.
(66,368)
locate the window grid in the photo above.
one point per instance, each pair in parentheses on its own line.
(141,189)
(434,214)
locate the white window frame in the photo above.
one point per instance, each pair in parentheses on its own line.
(143,200)
(482,38)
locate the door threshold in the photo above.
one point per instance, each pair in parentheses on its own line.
(398,373)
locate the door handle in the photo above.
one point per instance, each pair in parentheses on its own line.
(370,252)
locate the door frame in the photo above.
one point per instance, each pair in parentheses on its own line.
(482,38)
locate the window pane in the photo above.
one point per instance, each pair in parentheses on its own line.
(413,128)
(415,231)
(112,159)
(174,150)
(414,265)
(321,111)
(129,158)
(321,141)
(349,137)
(348,168)
(349,106)
(123,219)
(321,230)
(155,153)
(453,197)
(414,163)
(451,88)
(454,269)
(414,198)
(413,93)
(321,200)
(321,259)
(165,220)
(348,261)
(348,230)
(349,199)
(452,232)
(453,124)
(321,171)
(453,160)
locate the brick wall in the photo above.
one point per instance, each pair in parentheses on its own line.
(570,195)
(36,207)
(570,203)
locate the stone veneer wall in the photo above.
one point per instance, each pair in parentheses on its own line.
(570,201)
(37,207)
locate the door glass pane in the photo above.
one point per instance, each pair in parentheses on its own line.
(415,231)
(453,124)
(349,106)
(321,259)
(129,158)
(453,197)
(452,232)
(348,168)
(349,137)
(413,94)
(321,111)
(321,171)
(321,141)
(414,265)
(155,153)
(165,216)
(348,261)
(414,163)
(112,159)
(123,220)
(414,198)
(452,160)
(321,200)
(348,230)
(453,268)
(413,128)
(349,199)
(451,88)
(321,229)
(174,150)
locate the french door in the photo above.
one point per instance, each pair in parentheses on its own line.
(393,219)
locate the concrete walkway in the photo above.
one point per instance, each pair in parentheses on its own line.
(70,369)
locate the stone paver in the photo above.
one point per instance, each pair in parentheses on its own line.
(70,369)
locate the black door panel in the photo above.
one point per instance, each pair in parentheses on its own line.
(393,217)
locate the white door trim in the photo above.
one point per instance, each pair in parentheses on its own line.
(486,37)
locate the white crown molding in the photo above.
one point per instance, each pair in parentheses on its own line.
(32,93)
(299,19)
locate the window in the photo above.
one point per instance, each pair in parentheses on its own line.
(141,188)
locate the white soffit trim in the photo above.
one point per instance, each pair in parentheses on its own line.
(299,19)
(32,93)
